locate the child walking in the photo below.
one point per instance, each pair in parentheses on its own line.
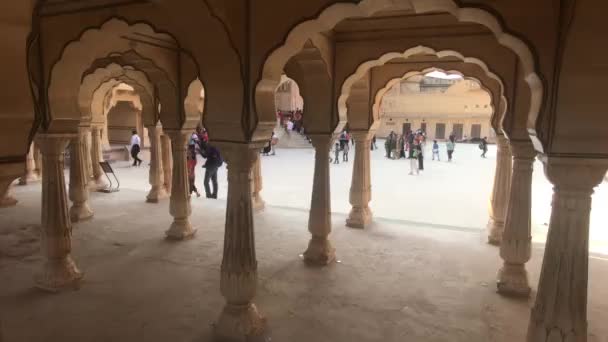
(191,159)
(414,160)
(337,153)
(345,150)
(436,150)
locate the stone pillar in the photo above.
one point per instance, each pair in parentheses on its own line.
(560,311)
(79,193)
(38,160)
(516,245)
(361,188)
(240,318)
(179,205)
(320,250)
(96,157)
(156,177)
(167,155)
(88,158)
(256,185)
(59,270)
(6,199)
(30,168)
(500,191)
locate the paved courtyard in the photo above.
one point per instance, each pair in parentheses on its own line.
(454,195)
(414,275)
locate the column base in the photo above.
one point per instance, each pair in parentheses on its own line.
(98,184)
(155,195)
(59,275)
(180,230)
(495,231)
(513,280)
(29,178)
(359,217)
(257,203)
(239,323)
(80,212)
(8,201)
(320,252)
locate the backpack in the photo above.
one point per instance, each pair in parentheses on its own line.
(481,146)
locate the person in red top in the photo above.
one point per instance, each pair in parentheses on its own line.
(191,162)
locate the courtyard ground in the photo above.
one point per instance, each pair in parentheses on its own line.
(421,272)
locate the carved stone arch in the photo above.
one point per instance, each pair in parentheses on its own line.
(338,12)
(489,81)
(310,71)
(93,81)
(78,56)
(164,88)
(358,77)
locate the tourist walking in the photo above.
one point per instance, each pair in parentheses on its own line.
(413,160)
(213,163)
(436,150)
(483,145)
(450,147)
(374,143)
(410,143)
(273,141)
(135,148)
(345,150)
(191,162)
(387,145)
(420,155)
(337,153)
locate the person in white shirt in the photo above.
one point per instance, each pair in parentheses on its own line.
(135,148)
(289,127)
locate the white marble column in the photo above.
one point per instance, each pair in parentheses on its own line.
(6,198)
(156,176)
(29,174)
(256,185)
(560,310)
(167,155)
(320,250)
(96,157)
(361,189)
(516,244)
(79,192)
(179,205)
(59,270)
(499,198)
(240,318)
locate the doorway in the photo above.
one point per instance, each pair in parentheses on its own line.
(476,131)
(457,131)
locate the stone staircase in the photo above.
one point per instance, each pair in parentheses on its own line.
(291,140)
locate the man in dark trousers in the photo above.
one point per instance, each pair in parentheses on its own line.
(214,162)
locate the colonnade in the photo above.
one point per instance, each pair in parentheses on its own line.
(566,252)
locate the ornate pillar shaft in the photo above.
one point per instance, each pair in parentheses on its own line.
(167,155)
(38,160)
(320,250)
(88,158)
(560,311)
(361,189)
(179,205)
(239,318)
(516,244)
(500,192)
(256,185)
(96,157)
(156,177)
(59,270)
(79,193)
(29,174)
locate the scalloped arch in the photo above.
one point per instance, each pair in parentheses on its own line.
(150,116)
(498,102)
(194,103)
(79,55)
(338,12)
(94,80)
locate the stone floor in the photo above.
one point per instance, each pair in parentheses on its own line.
(406,278)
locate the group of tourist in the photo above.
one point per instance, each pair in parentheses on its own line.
(342,145)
